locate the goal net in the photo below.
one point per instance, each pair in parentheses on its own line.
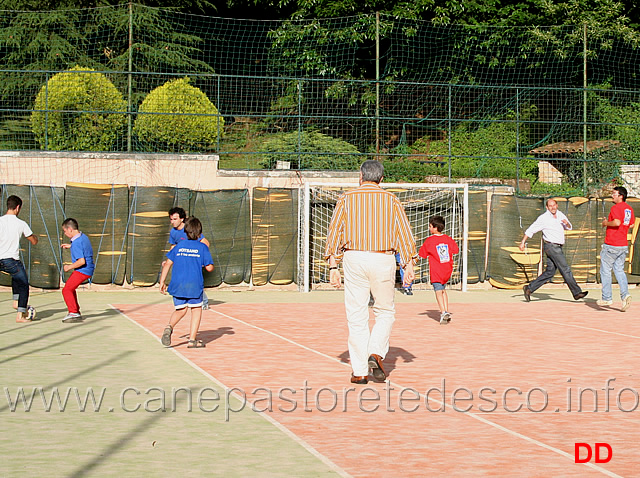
(420,201)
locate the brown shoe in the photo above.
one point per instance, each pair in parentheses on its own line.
(359,380)
(375,364)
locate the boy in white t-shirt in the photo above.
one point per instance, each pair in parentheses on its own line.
(11,229)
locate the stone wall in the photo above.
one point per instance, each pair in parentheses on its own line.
(630,174)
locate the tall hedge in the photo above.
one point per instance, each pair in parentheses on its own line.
(76,110)
(189,121)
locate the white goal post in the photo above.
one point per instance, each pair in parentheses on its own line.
(421,201)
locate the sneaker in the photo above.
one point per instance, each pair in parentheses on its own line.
(445,318)
(408,291)
(581,295)
(166,336)
(527,293)
(604,303)
(31,312)
(626,303)
(72,317)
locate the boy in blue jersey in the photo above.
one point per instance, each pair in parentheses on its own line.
(177,216)
(187,285)
(81,265)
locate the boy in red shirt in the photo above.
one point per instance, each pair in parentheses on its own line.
(615,249)
(439,248)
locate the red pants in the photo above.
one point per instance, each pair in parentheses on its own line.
(69,291)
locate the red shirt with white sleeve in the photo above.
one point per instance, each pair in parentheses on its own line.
(617,236)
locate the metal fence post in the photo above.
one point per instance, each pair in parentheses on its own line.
(450,133)
(129,100)
(584,111)
(46,112)
(518,140)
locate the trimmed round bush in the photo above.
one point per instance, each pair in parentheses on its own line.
(84,118)
(189,121)
(316,151)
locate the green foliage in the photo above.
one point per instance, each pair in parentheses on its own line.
(163,46)
(283,111)
(82,112)
(316,151)
(180,118)
(487,151)
(406,170)
(302,47)
(559,190)
(97,38)
(38,41)
(621,123)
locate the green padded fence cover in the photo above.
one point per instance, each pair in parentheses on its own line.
(42,209)
(275,235)
(101,211)
(477,236)
(507,267)
(226,224)
(148,231)
(580,243)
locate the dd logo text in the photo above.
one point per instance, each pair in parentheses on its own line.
(589,452)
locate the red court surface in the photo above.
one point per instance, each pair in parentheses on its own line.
(546,351)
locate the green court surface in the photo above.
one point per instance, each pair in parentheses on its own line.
(113,356)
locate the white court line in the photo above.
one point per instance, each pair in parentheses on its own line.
(235,395)
(472,415)
(587,328)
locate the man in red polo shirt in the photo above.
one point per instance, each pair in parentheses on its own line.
(615,248)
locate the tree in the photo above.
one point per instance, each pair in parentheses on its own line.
(78,110)
(178,117)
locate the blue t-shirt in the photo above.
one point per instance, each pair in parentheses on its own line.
(188,257)
(81,247)
(177,235)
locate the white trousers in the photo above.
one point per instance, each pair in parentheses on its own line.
(366,272)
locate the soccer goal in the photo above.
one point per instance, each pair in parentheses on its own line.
(420,201)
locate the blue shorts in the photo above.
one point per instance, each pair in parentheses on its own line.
(438,286)
(182,302)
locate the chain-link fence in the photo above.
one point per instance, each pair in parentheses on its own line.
(453,101)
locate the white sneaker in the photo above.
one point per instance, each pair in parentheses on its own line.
(626,303)
(72,317)
(31,313)
(604,303)
(445,318)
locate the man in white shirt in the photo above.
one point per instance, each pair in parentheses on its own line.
(552,223)
(11,229)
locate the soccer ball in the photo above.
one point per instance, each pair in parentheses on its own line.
(31,313)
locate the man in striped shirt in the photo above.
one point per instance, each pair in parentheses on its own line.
(367,228)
